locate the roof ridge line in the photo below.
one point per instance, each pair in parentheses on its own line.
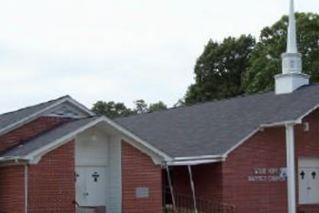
(197,104)
(245,95)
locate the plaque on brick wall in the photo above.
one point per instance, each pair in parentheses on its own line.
(142,192)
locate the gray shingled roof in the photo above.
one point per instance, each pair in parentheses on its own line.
(214,128)
(48,137)
(204,129)
(10,118)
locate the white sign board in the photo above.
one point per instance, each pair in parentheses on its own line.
(268,175)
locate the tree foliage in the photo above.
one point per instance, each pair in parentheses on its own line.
(115,110)
(157,107)
(241,65)
(140,106)
(219,70)
(111,109)
(238,65)
(265,61)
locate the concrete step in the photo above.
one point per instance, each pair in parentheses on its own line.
(82,209)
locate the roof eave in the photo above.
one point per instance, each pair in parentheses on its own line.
(283,123)
(14,159)
(194,162)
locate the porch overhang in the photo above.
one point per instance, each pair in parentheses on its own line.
(8,161)
(193,161)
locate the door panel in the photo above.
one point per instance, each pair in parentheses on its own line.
(313,185)
(91,186)
(96,186)
(309,185)
(81,191)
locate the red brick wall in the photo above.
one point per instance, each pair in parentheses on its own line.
(266,150)
(51,182)
(208,180)
(28,131)
(307,145)
(138,170)
(12,189)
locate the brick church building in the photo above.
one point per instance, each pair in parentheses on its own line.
(249,154)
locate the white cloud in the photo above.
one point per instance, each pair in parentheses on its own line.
(118,50)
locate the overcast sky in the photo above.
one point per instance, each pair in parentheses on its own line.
(119,50)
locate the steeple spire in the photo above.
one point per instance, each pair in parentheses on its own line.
(292,77)
(291,60)
(292,41)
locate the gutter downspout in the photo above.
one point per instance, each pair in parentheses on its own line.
(26,187)
(193,188)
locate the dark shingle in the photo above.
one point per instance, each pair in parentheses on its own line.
(214,128)
(48,137)
(204,129)
(11,118)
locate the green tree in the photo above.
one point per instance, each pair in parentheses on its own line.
(140,106)
(157,107)
(111,109)
(115,110)
(265,60)
(220,69)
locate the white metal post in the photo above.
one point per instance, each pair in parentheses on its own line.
(26,187)
(171,187)
(192,187)
(291,183)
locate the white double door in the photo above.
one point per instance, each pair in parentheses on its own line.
(91,186)
(309,185)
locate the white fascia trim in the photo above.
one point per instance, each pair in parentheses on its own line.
(193,162)
(297,121)
(33,156)
(35,115)
(198,157)
(240,142)
(278,124)
(156,158)
(307,113)
(12,161)
(137,139)
(15,159)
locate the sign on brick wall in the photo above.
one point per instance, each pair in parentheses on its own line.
(268,175)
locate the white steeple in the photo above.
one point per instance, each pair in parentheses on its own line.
(292,77)
(291,40)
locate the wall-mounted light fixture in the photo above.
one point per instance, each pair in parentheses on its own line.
(306,126)
(93,135)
